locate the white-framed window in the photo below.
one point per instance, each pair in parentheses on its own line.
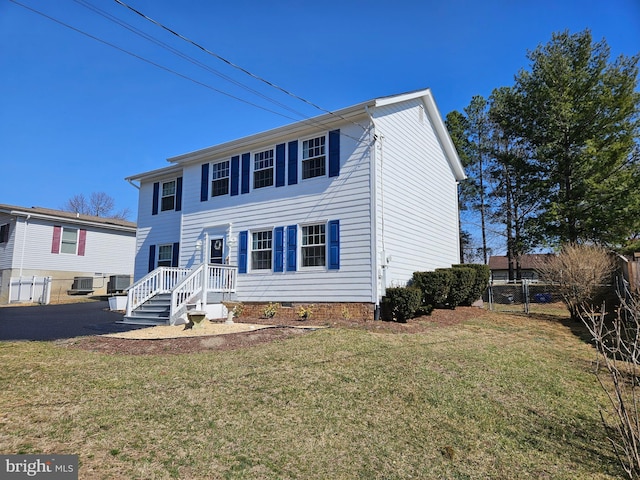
(261,250)
(263,169)
(168,200)
(314,245)
(69,240)
(165,255)
(220,178)
(314,158)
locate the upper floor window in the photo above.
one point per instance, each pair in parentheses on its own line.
(69,240)
(4,233)
(220,182)
(314,157)
(168,201)
(314,245)
(263,169)
(165,255)
(261,250)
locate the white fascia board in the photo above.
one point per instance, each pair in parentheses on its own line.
(328,121)
(158,173)
(75,221)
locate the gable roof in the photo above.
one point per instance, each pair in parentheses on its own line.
(69,217)
(528,262)
(326,122)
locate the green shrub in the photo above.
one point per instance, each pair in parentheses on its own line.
(463,281)
(483,275)
(435,286)
(401,303)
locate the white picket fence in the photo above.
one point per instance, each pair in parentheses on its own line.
(30,290)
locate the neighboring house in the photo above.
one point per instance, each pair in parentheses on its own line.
(42,243)
(328,211)
(499,266)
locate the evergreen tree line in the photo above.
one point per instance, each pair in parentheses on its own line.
(555,158)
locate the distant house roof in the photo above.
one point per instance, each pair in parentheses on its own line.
(60,215)
(527,262)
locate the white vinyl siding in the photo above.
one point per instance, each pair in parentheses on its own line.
(106,250)
(345,198)
(417,201)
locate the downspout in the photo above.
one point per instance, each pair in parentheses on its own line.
(379,263)
(24,242)
(133,184)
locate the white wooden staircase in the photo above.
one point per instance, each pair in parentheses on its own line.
(164,296)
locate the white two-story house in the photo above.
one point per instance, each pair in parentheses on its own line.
(328,211)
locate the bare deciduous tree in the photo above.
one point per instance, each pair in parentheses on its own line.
(99,204)
(617,344)
(578,272)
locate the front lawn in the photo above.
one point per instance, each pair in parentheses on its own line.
(498,396)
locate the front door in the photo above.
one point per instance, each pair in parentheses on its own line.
(217,251)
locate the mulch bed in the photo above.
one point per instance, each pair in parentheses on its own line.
(280,331)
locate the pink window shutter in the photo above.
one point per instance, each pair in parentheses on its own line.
(82,242)
(55,243)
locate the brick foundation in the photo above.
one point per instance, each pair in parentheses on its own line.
(320,311)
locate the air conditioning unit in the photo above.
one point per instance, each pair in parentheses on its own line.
(118,283)
(81,285)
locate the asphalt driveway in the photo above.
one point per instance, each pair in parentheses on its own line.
(53,322)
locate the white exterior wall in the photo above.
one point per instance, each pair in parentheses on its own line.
(345,198)
(7,249)
(416,200)
(105,251)
(163,228)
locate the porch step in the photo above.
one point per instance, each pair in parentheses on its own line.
(154,311)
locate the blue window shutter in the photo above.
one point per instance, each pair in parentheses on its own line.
(292,247)
(152,257)
(235,175)
(334,245)
(178,194)
(246,165)
(156,198)
(175,258)
(334,153)
(278,253)
(204,183)
(243,243)
(293,162)
(280,165)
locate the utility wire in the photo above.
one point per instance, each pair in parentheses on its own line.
(230,63)
(308,120)
(162,67)
(182,55)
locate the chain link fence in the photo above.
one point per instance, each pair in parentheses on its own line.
(525,296)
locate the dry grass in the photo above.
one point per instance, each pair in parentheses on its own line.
(496,397)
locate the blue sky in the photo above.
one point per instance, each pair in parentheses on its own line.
(77,116)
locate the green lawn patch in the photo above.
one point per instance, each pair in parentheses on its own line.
(496,397)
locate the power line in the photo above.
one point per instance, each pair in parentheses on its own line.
(182,55)
(231,64)
(166,69)
(308,120)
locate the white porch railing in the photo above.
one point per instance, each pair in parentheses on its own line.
(216,278)
(186,286)
(161,280)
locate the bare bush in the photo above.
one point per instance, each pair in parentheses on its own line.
(618,356)
(578,272)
